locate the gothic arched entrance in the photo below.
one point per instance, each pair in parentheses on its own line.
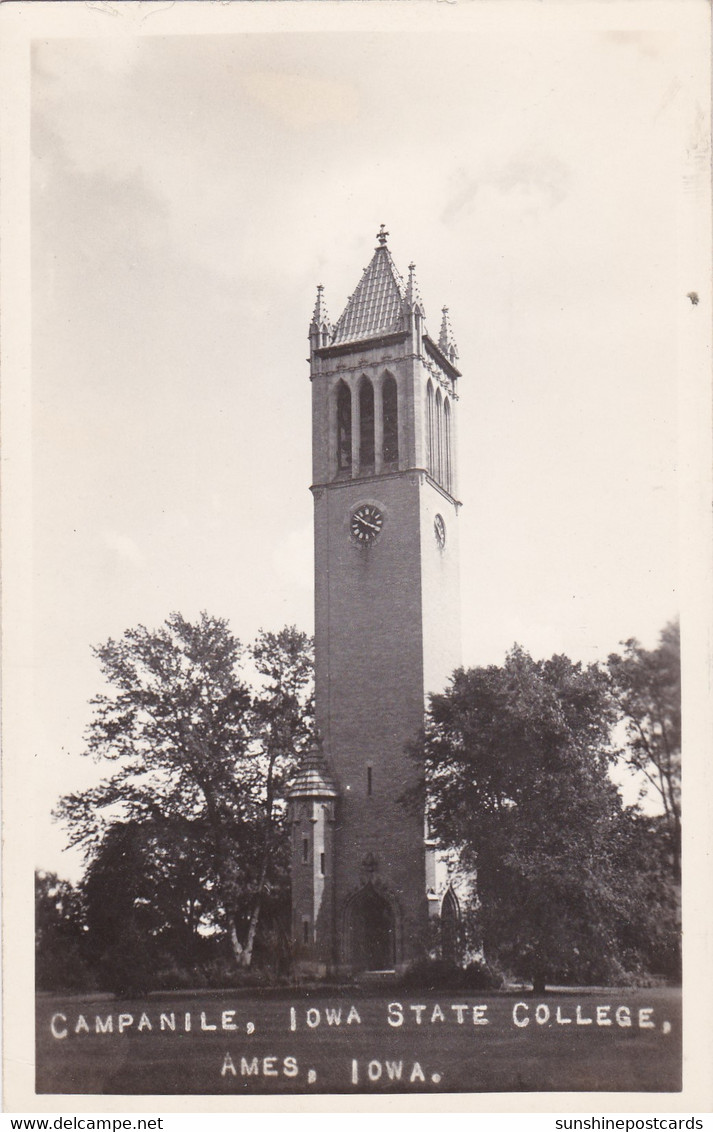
(370,931)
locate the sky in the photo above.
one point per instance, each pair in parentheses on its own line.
(188,195)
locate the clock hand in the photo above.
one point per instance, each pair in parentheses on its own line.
(366,523)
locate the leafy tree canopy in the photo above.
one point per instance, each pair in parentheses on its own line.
(646,686)
(60,931)
(200,755)
(517,763)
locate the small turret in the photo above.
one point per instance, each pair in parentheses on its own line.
(312,797)
(313,779)
(413,295)
(414,309)
(320,328)
(446,341)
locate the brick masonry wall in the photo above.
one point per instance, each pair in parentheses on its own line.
(370,689)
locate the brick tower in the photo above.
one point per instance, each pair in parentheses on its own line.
(384,406)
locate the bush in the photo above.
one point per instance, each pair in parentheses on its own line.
(63,971)
(442,974)
(174,976)
(482,976)
(223,973)
(123,976)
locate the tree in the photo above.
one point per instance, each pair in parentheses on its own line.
(517,761)
(647,688)
(187,736)
(282,718)
(652,939)
(59,933)
(147,893)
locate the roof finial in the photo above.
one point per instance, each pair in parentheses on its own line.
(381,235)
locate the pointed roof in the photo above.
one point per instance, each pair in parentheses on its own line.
(413,295)
(312,780)
(377,305)
(320,318)
(446,340)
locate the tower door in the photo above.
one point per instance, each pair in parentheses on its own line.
(370,932)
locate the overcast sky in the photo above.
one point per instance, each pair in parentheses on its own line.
(189,193)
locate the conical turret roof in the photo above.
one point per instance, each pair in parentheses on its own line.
(313,780)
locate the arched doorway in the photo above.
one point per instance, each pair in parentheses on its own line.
(370,931)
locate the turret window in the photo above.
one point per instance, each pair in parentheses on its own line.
(366,426)
(369,781)
(344,427)
(305,850)
(322,863)
(391,421)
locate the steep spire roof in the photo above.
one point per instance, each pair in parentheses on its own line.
(413,295)
(446,341)
(376,307)
(320,318)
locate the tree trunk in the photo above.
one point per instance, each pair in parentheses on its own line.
(247,952)
(235,944)
(247,956)
(676,848)
(538,984)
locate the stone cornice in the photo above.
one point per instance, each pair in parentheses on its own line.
(438,356)
(421,473)
(358,347)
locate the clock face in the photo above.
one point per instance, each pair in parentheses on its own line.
(439,529)
(366,523)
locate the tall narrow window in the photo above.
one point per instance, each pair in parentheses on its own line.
(391,421)
(322,863)
(366,426)
(438,462)
(305,931)
(344,427)
(447,457)
(430,430)
(368,780)
(305,850)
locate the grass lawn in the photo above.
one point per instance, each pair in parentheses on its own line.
(237,1043)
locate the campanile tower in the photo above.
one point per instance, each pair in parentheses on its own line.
(384,413)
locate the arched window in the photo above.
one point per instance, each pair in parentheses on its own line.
(430,430)
(450,924)
(366,426)
(438,470)
(391,421)
(344,428)
(447,457)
